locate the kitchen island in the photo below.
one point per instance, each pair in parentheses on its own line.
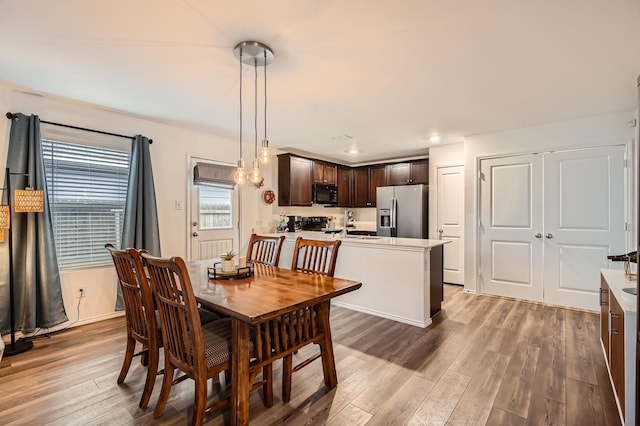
(401,277)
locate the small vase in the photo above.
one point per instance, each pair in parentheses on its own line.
(228,265)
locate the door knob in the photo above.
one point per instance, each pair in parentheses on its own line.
(195,234)
(194,223)
(548,236)
(441,230)
(538,235)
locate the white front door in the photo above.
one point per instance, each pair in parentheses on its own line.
(583,222)
(214,221)
(450,221)
(511,227)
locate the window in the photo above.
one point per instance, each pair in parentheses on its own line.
(216,207)
(87,188)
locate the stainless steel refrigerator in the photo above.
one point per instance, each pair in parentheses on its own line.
(403,211)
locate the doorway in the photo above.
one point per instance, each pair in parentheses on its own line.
(548,222)
(214,219)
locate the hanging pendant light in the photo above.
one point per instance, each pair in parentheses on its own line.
(255,176)
(240,176)
(265,153)
(258,54)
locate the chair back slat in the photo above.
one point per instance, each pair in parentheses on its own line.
(315,257)
(265,250)
(136,292)
(181,327)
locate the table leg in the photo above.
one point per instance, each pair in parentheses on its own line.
(326,345)
(240,385)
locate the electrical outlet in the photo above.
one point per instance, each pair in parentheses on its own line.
(81,293)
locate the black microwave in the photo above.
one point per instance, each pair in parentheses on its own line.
(325,194)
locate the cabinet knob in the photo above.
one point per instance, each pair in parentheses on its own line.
(548,236)
(538,235)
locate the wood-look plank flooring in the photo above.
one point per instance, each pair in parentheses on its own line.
(485,360)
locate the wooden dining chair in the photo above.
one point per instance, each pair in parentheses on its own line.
(311,257)
(200,351)
(265,250)
(140,317)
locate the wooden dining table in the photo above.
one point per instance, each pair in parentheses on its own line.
(282,311)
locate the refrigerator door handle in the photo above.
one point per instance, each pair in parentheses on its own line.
(394,215)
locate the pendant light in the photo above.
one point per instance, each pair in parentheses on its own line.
(265,153)
(255,176)
(240,176)
(256,54)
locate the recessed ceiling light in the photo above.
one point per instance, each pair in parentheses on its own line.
(435,138)
(352,151)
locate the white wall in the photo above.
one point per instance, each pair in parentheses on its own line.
(610,129)
(170,153)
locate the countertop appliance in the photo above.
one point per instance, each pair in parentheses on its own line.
(403,211)
(315,223)
(294,224)
(325,194)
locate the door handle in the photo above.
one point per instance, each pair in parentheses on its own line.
(440,231)
(538,235)
(194,223)
(195,234)
(548,236)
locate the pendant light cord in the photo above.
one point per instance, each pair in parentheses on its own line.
(241,103)
(265,94)
(255,110)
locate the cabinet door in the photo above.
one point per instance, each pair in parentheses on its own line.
(604,316)
(420,172)
(377,177)
(399,174)
(330,174)
(345,177)
(301,175)
(616,362)
(318,172)
(361,187)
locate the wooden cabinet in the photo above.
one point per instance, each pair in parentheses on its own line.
(366,181)
(616,348)
(345,185)
(618,324)
(295,176)
(377,178)
(324,173)
(413,172)
(604,316)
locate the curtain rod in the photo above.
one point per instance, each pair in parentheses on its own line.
(11,116)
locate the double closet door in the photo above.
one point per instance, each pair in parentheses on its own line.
(548,222)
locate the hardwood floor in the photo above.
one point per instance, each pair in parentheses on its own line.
(484,360)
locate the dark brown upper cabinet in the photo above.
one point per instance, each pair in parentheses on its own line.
(345,185)
(413,172)
(366,182)
(295,175)
(324,173)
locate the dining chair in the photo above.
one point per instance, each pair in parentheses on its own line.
(265,250)
(200,351)
(311,257)
(140,317)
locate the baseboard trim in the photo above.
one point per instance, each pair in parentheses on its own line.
(373,312)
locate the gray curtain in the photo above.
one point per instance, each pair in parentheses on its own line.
(38,294)
(140,229)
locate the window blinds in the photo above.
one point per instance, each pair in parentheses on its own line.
(87,190)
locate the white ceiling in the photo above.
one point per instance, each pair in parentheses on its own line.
(388,73)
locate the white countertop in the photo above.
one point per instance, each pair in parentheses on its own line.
(617,281)
(359,240)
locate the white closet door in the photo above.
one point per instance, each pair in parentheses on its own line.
(450,221)
(583,222)
(511,217)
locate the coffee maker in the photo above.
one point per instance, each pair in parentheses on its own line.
(294,224)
